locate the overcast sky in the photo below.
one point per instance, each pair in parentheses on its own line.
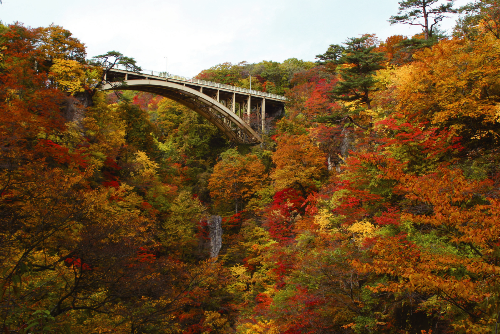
(196,34)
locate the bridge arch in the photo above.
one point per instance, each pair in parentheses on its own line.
(216,113)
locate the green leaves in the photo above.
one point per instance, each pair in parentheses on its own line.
(412,12)
(112,58)
(356,63)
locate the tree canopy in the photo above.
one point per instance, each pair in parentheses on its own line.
(372,205)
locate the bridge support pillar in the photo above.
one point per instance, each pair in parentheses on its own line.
(249,108)
(234,103)
(218,100)
(263,115)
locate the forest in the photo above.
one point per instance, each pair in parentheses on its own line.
(371,206)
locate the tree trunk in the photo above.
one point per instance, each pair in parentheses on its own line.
(426,19)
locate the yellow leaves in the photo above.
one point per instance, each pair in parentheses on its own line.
(214,320)
(144,166)
(2,48)
(480,134)
(105,126)
(58,43)
(323,219)
(242,278)
(117,210)
(262,326)
(363,230)
(327,221)
(482,326)
(180,225)
(239,271)
(68,74)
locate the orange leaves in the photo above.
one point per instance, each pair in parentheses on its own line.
(57,43)
(448,249)
(454,83)
(467,206)
(236,178)
(299,163)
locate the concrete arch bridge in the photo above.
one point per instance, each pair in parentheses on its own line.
(236,111)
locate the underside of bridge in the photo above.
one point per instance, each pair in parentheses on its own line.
(215,112)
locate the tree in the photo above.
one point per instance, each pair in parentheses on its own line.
(356,62)
(57,43)
(412,11)
(453,84)
(236,178)
(114,58)
(110,60)
(225,73)
(479,15)
(299,163)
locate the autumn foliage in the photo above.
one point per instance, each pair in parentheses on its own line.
(372,206)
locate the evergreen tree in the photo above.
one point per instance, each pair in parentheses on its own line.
(412,11)
(356,62)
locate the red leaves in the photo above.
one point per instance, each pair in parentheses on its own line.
(319,100)
(433,141)
(61,154)
(287,205)
(203,230)
(114,184)
(263,300)
(145,256)
(390,217)
(146,101)
(111,163)
(146,206)
(110,172)
(77,263)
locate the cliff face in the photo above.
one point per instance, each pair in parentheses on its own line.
(73,107)
(215,228)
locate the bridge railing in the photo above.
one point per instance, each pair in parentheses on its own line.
(166,76)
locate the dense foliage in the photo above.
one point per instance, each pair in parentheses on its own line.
(373,206)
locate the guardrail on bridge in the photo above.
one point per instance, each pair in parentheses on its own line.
(166,75)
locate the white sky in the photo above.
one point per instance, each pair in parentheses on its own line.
(198,34)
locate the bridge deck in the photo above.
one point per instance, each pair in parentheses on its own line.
(128,75)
